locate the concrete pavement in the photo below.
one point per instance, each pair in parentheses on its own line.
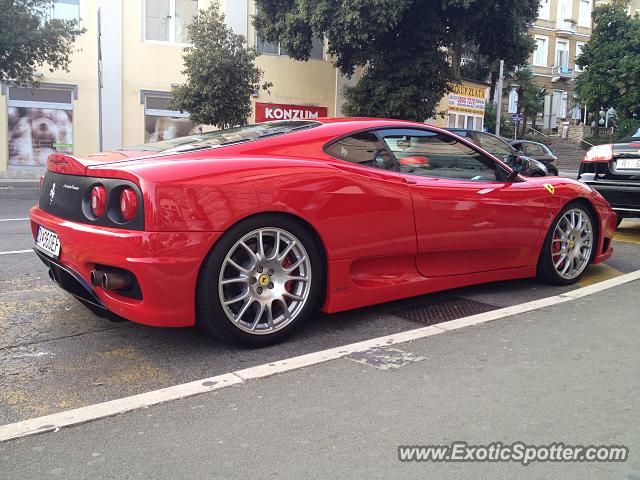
(566,373)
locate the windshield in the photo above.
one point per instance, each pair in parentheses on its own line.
(636,135)
(225,136)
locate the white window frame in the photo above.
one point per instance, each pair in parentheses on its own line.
(544,12)
(52,9)
(281,54)
(172,25)
(564,11)
(579,46)
(584,14)
(145,94)
(562,42)
(45,105)
(544,54)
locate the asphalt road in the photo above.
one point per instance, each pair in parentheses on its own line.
(55,355)
(566,373)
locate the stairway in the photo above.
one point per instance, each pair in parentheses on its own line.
(569,154)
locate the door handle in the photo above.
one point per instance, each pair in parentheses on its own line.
(410,181)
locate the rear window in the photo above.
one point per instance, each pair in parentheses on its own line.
(226,136)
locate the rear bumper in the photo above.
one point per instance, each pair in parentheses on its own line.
(624,199)
(166,265)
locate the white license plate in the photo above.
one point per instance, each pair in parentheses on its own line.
(48,242)
(628,164)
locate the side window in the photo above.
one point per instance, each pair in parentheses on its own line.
(433,154)
(532,149)
(364,148)
(491,144)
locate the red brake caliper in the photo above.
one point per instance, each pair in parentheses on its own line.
(287,263)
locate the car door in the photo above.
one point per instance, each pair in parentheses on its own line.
(469,218)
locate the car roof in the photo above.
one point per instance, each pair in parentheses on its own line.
(527,141)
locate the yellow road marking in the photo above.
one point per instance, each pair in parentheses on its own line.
(598,273)
(628,231)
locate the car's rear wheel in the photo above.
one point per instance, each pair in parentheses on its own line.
(261,280)
(568,247)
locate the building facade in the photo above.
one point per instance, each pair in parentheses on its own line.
(560,32)
(142,44)
(562,29)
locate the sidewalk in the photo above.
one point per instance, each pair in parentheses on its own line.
(16,184)
(566,373)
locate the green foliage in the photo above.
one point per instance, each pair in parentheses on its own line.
(409,50)
(30,39)
(490,115)
(601,140)
(627,127)
(221,73)
(611,60)
(530,96)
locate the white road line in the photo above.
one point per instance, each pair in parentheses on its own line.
(13,252)
(97,411)
(13,219)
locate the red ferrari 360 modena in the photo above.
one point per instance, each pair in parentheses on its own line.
(246,231)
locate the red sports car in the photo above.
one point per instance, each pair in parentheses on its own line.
(246,231)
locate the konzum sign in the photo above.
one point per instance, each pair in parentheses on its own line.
(266,112)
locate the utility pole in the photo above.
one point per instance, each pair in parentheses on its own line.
(99,80)
(499,101)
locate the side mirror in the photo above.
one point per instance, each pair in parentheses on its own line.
(520,164)
(526,166)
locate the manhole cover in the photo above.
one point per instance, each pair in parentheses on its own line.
(443,310)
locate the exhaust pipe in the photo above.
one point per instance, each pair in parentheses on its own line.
(110,280)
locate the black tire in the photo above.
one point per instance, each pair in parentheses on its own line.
(545,269)
(209,310)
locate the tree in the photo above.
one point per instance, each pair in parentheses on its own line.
(492,30)
(611,60)
(221,73)
(29,39)
(409,50)
(530,96)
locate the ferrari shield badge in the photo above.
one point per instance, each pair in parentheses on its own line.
(549,188)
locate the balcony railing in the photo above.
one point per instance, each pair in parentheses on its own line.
(565,28)
(562,71)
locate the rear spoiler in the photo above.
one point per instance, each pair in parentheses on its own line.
(60,163)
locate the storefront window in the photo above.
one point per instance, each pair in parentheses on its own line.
(40,123)
(162,123)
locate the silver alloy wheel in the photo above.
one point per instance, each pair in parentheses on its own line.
(572,243)
(265,281)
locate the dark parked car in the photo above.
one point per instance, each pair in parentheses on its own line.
(503,150)
(614,171)
(539,151)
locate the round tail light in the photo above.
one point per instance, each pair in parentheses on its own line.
(128,203)
(98,200)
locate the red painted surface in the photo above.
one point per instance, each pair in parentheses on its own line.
(386,235)
(266,112)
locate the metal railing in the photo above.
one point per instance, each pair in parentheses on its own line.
(537,132)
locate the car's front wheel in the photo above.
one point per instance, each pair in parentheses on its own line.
(568,247)
(262,280)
